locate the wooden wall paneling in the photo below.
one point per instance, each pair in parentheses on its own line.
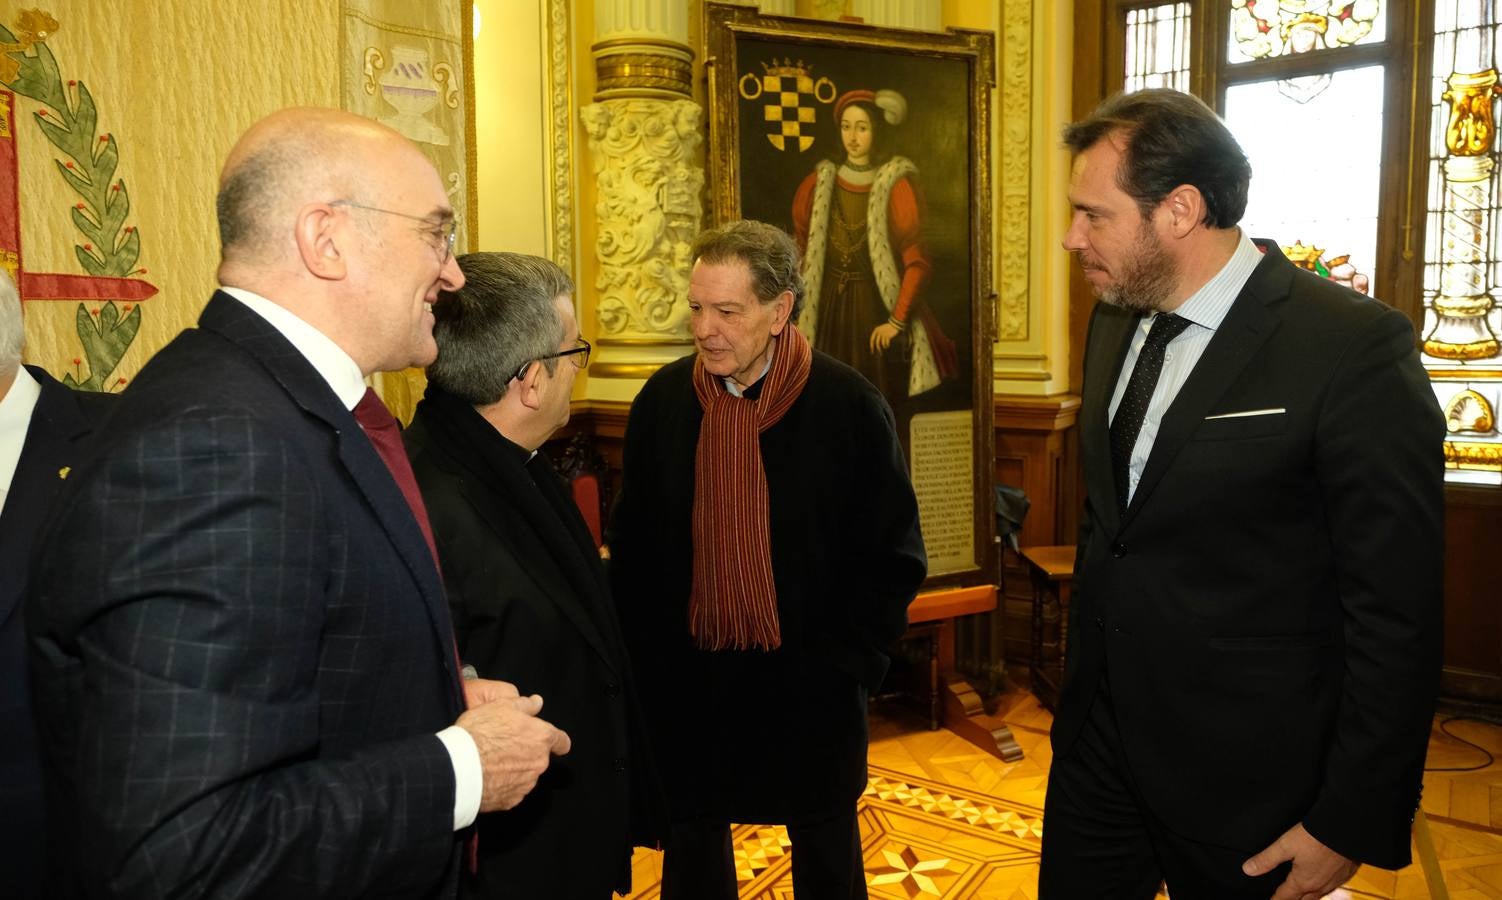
(1036,451)
(1473,597)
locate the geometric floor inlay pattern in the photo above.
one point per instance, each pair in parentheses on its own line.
(941,819)
(919,838)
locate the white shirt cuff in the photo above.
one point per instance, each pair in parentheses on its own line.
(469,778)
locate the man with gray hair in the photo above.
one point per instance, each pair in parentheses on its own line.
(764,551)
(526,586)
(42,428)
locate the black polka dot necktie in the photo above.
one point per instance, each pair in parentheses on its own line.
(1139,393)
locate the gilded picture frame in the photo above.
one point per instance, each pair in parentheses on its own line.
(818,127)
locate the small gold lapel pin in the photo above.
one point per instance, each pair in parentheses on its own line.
(63,472)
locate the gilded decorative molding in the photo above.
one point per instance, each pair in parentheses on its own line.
(648,180)
(1016,165)
(1463,455)
(1468,412)
(560,92)
(639,71)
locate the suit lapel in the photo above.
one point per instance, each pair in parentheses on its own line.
(1248,324)
(1111,330)
(236,323)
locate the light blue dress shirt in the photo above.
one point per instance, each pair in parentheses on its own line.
(1205,309)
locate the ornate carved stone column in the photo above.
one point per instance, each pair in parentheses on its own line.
(644,142)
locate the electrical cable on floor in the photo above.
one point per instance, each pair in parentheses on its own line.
(1445,727)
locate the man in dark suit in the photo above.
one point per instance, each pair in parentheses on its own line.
(1254,638)
(42,429)
(242,661)
(526,585)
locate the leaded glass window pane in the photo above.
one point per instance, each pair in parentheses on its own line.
(1157,47)
(1262,29)
(1463,240)
(1315,145)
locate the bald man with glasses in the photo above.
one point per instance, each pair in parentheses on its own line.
(243,664)
(528,592)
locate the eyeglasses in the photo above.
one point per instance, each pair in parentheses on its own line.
(444,234)
(580,354)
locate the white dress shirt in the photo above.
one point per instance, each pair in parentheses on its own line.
(15,417)
(1205,309)
(343,376)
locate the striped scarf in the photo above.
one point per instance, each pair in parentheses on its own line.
(734,599)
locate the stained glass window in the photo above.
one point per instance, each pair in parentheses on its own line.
(1463,239)
(1157,47)
(1262,29)
(1317,174)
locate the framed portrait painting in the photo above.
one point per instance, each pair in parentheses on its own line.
(871,147)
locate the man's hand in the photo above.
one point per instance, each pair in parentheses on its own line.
(882,335)
(514,744)
(1317,870)
(478,691)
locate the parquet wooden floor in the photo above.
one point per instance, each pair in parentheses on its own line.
(940,819)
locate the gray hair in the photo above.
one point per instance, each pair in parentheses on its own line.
(768,252)
(12,327)
(502,319)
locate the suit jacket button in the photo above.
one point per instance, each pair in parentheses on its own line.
(612,689)
(618,764)
(1100,623)
(1118,550)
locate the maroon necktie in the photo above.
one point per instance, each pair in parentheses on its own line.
(380,426)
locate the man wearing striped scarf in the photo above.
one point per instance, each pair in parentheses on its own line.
(765,548)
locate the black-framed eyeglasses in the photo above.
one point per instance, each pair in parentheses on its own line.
(580,354)
(444,233)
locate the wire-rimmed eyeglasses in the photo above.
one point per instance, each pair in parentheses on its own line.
(580,354)
(443,234)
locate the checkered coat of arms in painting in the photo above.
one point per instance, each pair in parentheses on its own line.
(789,92)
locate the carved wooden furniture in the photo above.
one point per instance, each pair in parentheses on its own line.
(1052,571)
(963,712)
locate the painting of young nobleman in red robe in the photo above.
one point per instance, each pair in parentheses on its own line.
(859,223)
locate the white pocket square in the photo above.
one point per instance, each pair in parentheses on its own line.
(1247,413)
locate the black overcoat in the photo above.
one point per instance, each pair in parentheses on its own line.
(754,736)
(531,605)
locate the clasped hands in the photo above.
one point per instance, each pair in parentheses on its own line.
(515,744)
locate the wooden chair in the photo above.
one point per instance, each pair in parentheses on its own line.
(587,474)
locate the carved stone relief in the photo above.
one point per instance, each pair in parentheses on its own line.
(648,180)
(1016,163)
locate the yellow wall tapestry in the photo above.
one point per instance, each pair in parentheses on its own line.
(118,116)
(115,116)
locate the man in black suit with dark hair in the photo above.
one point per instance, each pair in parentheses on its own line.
(242,661)
(43,426)
(1254,642)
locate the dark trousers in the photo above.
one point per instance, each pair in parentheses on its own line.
(1100,842)
(698,863)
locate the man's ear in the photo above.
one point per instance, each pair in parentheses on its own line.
(782,308)
(1185,209)
(318,240)
(529,386)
